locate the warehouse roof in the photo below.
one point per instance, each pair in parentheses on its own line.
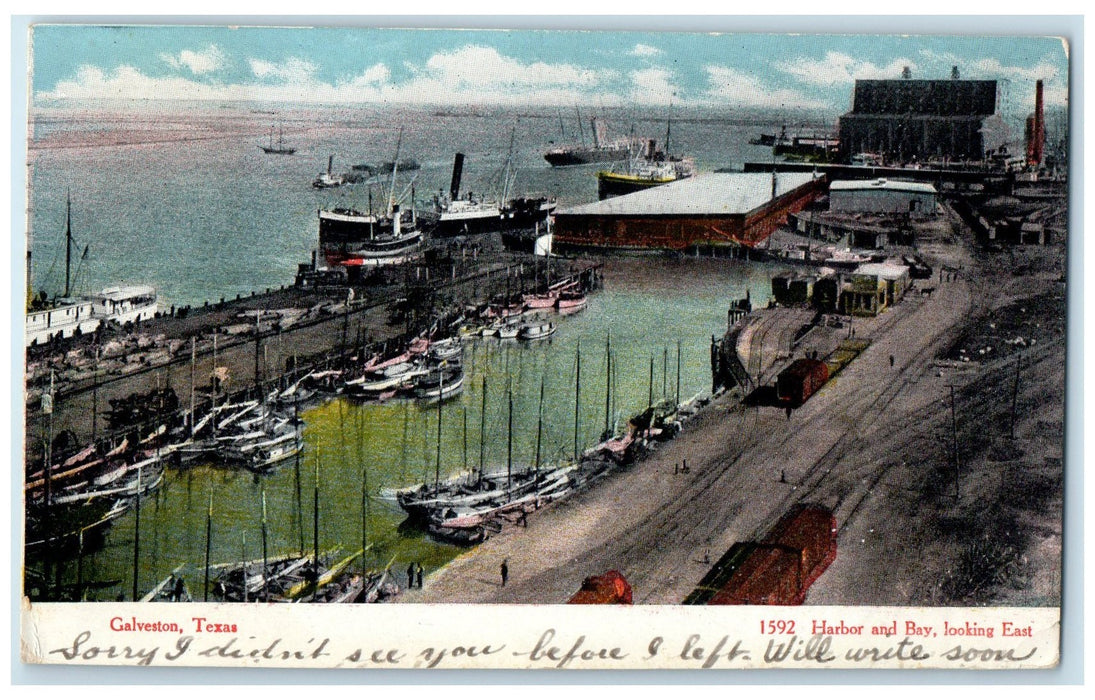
(884,270)
(882,184)
(717,194)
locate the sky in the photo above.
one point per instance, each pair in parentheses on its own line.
(342,65)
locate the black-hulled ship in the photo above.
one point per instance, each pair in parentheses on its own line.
(278,147)
(602,151)
(351,238)
(468,215)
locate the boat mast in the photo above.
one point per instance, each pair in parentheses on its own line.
(678,385)
(509,173)
(440,393)
(315,529)
(265,589)
(509,441)
(608,383)
(482,430)
(539,427)
(577,396)
(208,542)
(68,244)
(395,167)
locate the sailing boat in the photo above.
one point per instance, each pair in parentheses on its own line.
(279,148)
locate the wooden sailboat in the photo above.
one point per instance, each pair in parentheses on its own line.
(278,148)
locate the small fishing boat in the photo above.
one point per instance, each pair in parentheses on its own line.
(446,349)
(571,302)
(536,331)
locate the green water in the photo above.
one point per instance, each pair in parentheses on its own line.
(647,306)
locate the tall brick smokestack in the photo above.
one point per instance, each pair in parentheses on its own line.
(1036,128)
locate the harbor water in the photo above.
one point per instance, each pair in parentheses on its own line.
(203,213)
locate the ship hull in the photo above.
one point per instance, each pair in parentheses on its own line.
(583,156)
(616,184)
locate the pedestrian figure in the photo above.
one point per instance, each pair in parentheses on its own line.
(180,590)
(410,575)
(891,360)
(706,556)
(505,573)
(420,575)
(788,413)
(782,476)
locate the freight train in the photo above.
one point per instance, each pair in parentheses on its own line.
(779,569)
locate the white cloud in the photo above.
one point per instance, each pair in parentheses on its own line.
(652,86)
(732,87)
(644,50)
(292,71)
(198,62)
(128,83)
(482,67)
(840,68)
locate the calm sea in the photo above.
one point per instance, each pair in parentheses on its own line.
(187,201)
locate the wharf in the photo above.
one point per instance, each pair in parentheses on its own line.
(330,329)
(836,171)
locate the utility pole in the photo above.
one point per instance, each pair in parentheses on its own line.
(954,443)
(1015,395)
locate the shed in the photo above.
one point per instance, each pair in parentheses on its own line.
(883,196)
(712,210)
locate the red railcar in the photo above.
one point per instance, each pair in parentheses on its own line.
(799,381)
(780,569)
(611,588)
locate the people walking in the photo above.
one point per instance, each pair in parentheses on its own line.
(419,576)
(410,575)
(505,572)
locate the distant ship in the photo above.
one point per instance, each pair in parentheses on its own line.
(387,166)
(329,179)
(278,148)
(602,150)
(649,169)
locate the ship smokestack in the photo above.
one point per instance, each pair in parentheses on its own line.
(650,149)
(457,171)
(330,163)
(1036,128)
(395,220)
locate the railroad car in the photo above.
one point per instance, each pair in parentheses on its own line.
(799,381)
(610,588)
(780,569)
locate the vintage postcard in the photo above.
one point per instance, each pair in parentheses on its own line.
(350,347)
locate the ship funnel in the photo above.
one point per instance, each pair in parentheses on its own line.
(396,220)
(457,171)
(330,163)
(650,149)
(1036,130)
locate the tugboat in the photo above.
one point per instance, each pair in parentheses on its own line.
(329,179)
